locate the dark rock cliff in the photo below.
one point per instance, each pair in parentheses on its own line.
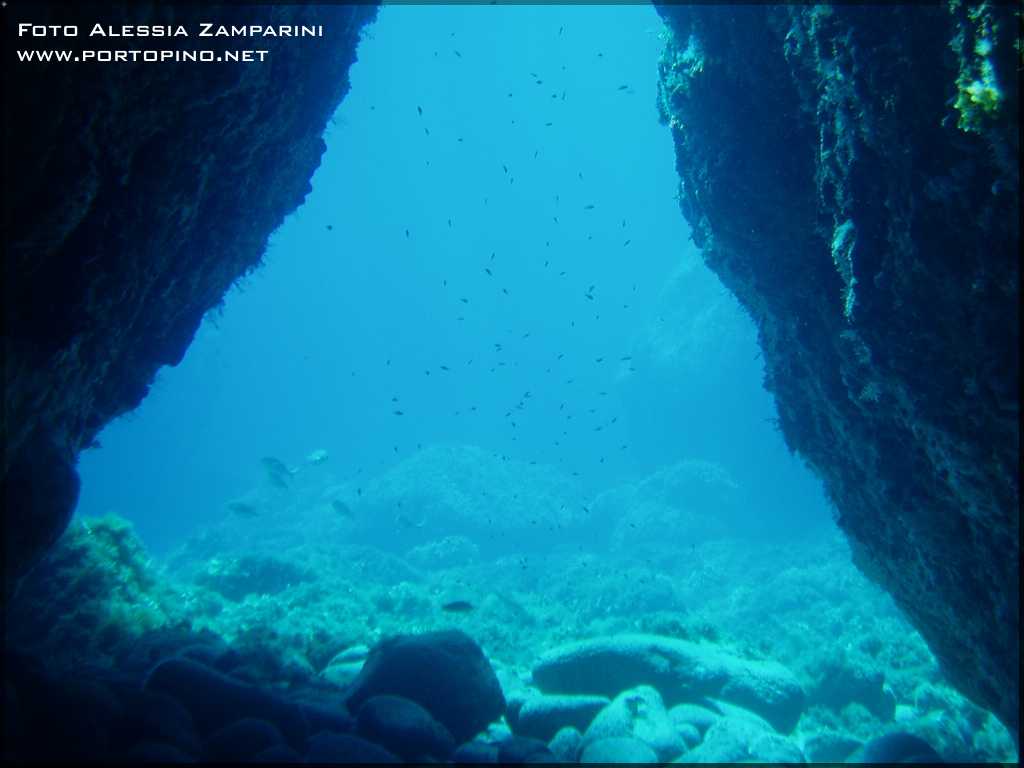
(851,173)
(136,194)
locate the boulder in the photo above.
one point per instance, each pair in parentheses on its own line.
(242,740)
(618,749)
(542,716)
(829,747)
(444,672)
(404,727)
(565,745)
(681,670)
(328,747)
(694,715)
(523,749)
(215,700)
(849,678)
(639,714)
(733,740)
(159,718)
(476,752)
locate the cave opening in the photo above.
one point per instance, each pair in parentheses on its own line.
(483,379)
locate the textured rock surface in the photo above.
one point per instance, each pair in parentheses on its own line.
(404,727)
(444,672)
(143,195)
(640,714)
(852,176)
(543,716)
(742,740)
(680,670)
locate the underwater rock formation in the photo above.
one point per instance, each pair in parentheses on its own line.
(142,196)
(444,672)
(851,174)
(679,669)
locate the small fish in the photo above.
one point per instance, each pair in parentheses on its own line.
(242,509)
(457,606)
(420,110)
(318,456)
(623,87)
(464,301)
(488,271)
(342,508)
(398,413)
(330,227)
(588,207)
(444,367)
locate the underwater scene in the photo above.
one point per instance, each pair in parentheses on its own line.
(483,462)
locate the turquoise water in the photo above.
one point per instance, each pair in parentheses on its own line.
(309,351)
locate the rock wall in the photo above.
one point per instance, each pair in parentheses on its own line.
(851,174)
(139,192)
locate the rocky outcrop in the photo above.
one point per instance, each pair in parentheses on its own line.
(851,174)
(142,191)
(680,670)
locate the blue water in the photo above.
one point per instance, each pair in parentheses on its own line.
(474,138)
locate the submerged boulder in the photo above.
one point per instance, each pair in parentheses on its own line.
(741,739)
(543,716)
(404,727)
(215,700)
(444,672)
(639,714)
(681,671)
